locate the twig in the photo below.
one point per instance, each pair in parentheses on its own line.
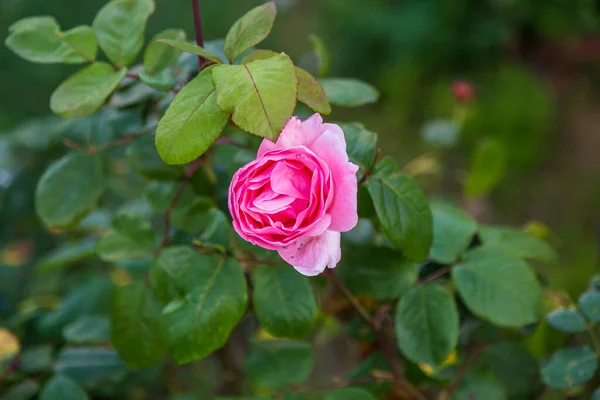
(198,29)
(476,351)
(74,145)
(230,141)
(593,338)
(376,376)
(169,212)
(370,169)
(386,346)
(353,300)
(437,274)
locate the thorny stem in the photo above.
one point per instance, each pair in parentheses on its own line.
(386,346)
(198,29)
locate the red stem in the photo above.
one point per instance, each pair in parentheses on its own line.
(198,29)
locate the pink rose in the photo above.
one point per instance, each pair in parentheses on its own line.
(298,195)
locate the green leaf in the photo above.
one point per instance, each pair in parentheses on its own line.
(283,301)
(590,305)
(250,30)
(277,364)
(349,394)
(217,233)
(136,331)
(348,92)
(191,123)
(514,366)
(39,39)
(453,230)
(43,22)
(188,47)
(596,394)
(210,298)
(66,255)
(159,195)
(568,368)
(499,288)
(86,90)
(193,216)
(88,297)
(488,166)
(144,159)
(518,243)
(361,144)
(68,189)
(261,94)
(311,93)
(569,321)
(426,323)
(480,387)
(159,56)
(162,81)
(442,133)
(402,209)
(23,390)
(130,238)
(35,359)
(87,330)
(62,388)
(90,366)
(378,272)
(120,27)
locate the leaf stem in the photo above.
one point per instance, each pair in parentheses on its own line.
(198,29)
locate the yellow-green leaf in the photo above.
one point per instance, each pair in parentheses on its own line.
(261,95)
(250,30)
(192,122)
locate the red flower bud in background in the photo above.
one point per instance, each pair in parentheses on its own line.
(463,91)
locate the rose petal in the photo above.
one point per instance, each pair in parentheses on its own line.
(310,255)
(291,182)
(331,149)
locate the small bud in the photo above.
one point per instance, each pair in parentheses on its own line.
(463,91)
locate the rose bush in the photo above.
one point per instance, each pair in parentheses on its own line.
(298,195)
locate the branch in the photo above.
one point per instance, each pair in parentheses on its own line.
(387,347)
(433,276)
(353,300)
(376,376)
(198,29)
(476,351)
(189,171)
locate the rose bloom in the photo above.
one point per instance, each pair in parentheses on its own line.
(298,195)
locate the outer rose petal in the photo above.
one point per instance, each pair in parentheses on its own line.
(310,255)
(331,149)
(297,133)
